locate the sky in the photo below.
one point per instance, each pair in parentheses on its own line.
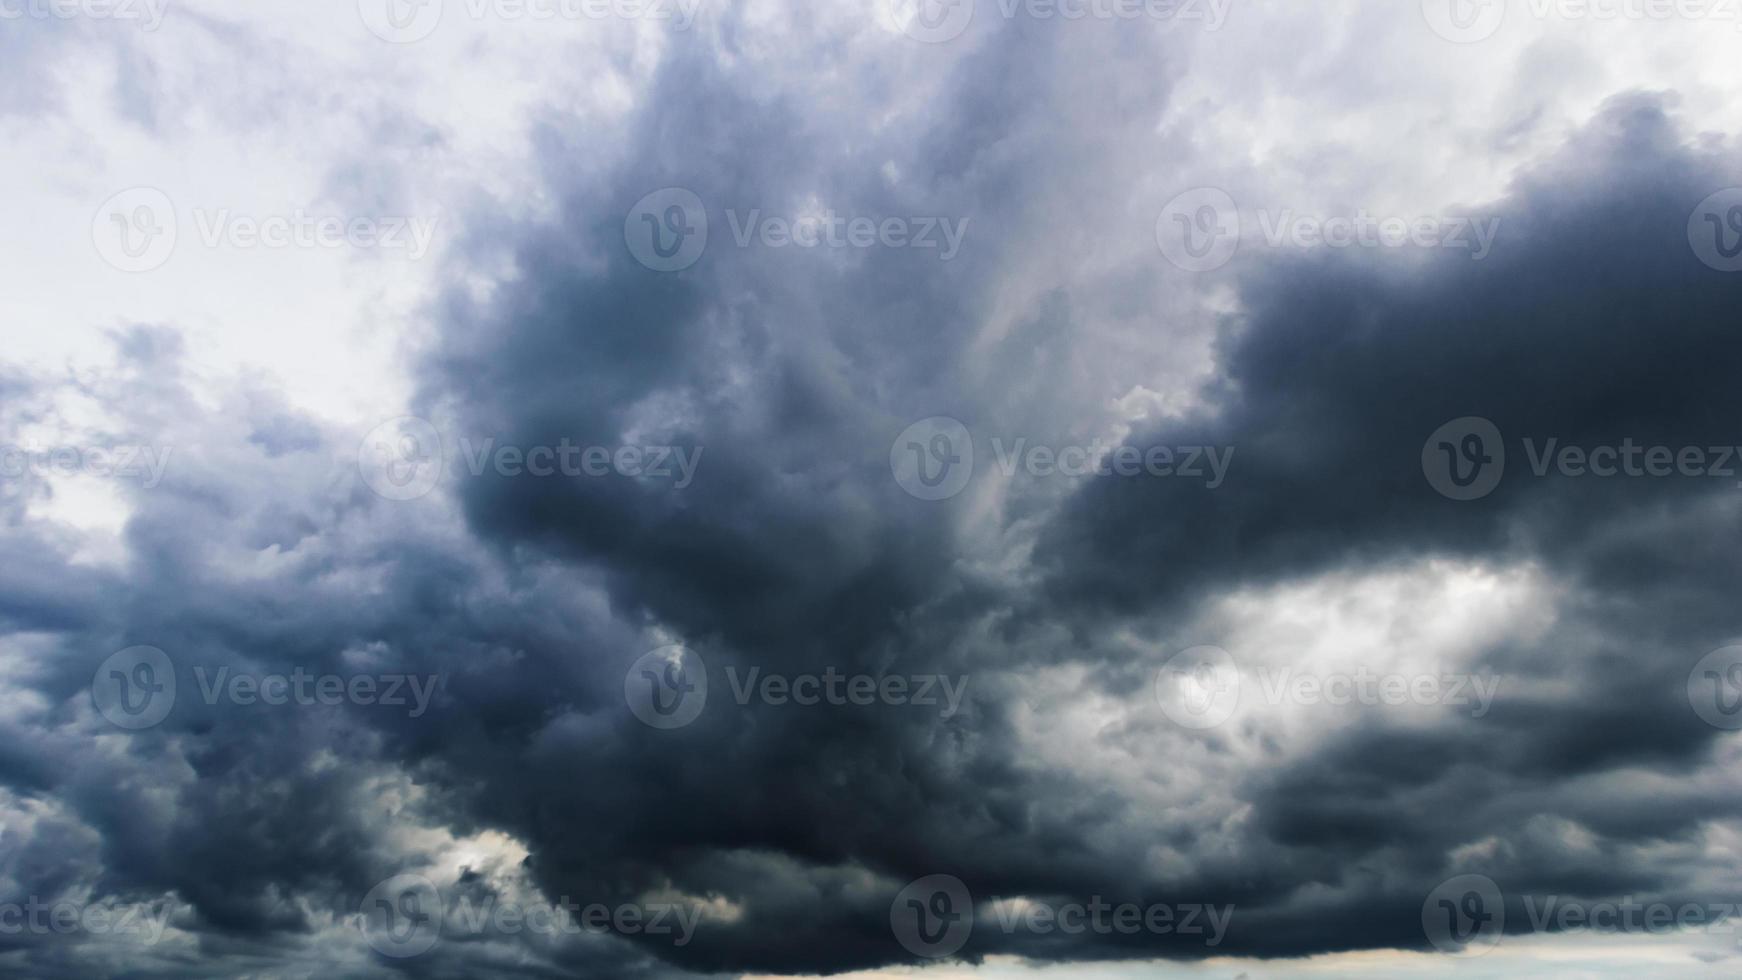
(943,488)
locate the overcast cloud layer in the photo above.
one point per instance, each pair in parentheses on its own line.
(756,489)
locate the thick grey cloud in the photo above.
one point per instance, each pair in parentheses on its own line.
(1592,322)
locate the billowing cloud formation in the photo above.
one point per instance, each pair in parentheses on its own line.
(514,766)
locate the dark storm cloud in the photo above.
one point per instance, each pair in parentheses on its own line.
(1593,321)
(264,827)
(794,550)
